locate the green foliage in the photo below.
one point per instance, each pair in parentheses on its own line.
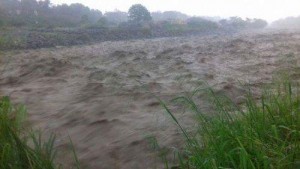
(138,14)
(42,24)
(15,153)
(43,14)
(14,140)
(263,134)
(33,13)
(8,41)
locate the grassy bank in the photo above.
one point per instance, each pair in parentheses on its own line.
(259,134)
(15,152)
(34,38)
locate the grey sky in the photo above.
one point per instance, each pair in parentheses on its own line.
(266,9)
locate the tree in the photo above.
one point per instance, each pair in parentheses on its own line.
(102,22)
(116,17)
(201,24)
(237,23)
(84,19)
(29,7)
(169,16)
(258,24)
(287,23)
(42,13)
(139,14)
(44,5)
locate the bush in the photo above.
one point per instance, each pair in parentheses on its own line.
(256,135)
(201,24)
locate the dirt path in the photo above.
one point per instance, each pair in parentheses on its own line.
(102,95)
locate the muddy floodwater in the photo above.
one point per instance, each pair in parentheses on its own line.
(103,95)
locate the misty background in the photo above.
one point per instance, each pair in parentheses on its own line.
(40,12)
(45,23)
(269,10)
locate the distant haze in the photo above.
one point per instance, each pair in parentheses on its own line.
(269,10)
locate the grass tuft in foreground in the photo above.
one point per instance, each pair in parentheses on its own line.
(259,135)
(14,140)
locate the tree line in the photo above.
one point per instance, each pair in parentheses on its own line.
(287,23)
(34,13)
(43,14)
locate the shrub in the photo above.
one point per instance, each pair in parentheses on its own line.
(201,24)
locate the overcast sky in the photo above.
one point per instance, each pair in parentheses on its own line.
(265,9)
